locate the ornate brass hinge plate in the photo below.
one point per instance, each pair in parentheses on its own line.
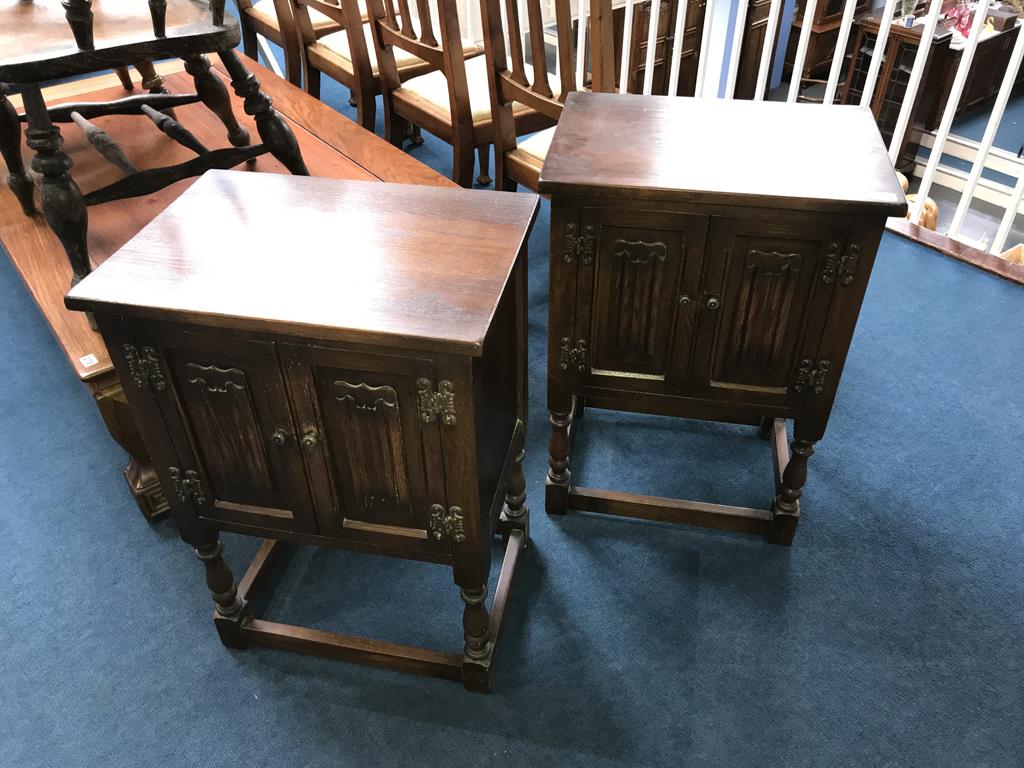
(812,377)
(841,266)
(144,367)
(573,356)
(187,486)
(433,405)
(446,523)
(579,245)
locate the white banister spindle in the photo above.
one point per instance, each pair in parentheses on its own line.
(839,56)
(765,66)
(581,43)
(878,53)
(966,58)
(801,51)
(705,46)
(916,73)
(627,33)
(737,45)
(677,48)
(990,135)
(652,45)
(1008,216)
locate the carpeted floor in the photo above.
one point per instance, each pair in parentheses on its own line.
(890,634)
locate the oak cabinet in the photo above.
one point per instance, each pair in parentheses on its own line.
(692,276)
(369,395)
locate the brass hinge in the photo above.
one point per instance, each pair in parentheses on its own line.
(575,356)
(842,267)
(144,367)
(187,486)
(446,523)
(810,376)
(579,245)
(436,404)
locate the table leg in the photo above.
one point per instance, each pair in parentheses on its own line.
(140,474)
(10,148)
(786,509)
(230,610)
(63,203)
(556,487)
(476,621)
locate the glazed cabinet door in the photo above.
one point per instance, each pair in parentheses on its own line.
(374,453)
(634,313)
(225,407)
(763,306)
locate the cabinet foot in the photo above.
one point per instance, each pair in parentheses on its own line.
(515,515)
(230,610)
(786,508)
(556,486)
(145,488)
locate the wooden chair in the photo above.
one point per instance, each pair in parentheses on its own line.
(47,51)
(517,163)
(347,55)
(273,20)
(452,102)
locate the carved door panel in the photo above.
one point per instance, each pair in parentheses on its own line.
(376,463)
(634,313)
(225,407)
(763,306)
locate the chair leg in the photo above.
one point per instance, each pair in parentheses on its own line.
(394,126)
(272,128)
(312,81)
(366,109)
(125,76)
(215,96)
(249,46)
(10,148)
(416,135)
(484,154)
(462,164)
(63,203)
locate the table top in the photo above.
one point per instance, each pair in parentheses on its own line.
(332,146)
(396,264)
(722,151)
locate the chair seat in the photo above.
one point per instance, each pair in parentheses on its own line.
(45,47)
(265,12)
(431,90)
(334,48)
(534,149)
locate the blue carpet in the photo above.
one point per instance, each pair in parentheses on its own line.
(889,634)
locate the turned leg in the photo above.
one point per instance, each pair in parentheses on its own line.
(215,96)
(556,487)
(415,134)
(515,515)
(63,204)
(125,76)
(230,609)
(476,659)
(483,154)
(273,129)
(786,509)
(10,149)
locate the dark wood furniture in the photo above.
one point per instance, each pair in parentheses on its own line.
(453,102)
(893,78)
(332,146)
(75,39)
(693,32)
(821,46)
(374,400)
(694,274)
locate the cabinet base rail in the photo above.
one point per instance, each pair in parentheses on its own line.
(474,673)
(778,526)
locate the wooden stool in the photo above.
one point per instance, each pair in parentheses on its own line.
(373,398)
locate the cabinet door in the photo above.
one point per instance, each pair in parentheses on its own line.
(763,305)
(225,406)
(375,459)
(634,301)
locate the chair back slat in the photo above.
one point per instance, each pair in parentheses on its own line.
(432,54)
(538,50)
(602,46)
(333,11)
(566,60)
(515,40)
(405,18)
(426,22)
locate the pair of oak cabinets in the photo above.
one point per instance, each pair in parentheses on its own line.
(369,391)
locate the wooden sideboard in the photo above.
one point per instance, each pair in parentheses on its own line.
(366,393)
(694,274)
(332,146)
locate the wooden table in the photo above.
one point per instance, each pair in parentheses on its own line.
(332,146)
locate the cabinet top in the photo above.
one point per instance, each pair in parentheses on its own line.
(722,151)
(366,262)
